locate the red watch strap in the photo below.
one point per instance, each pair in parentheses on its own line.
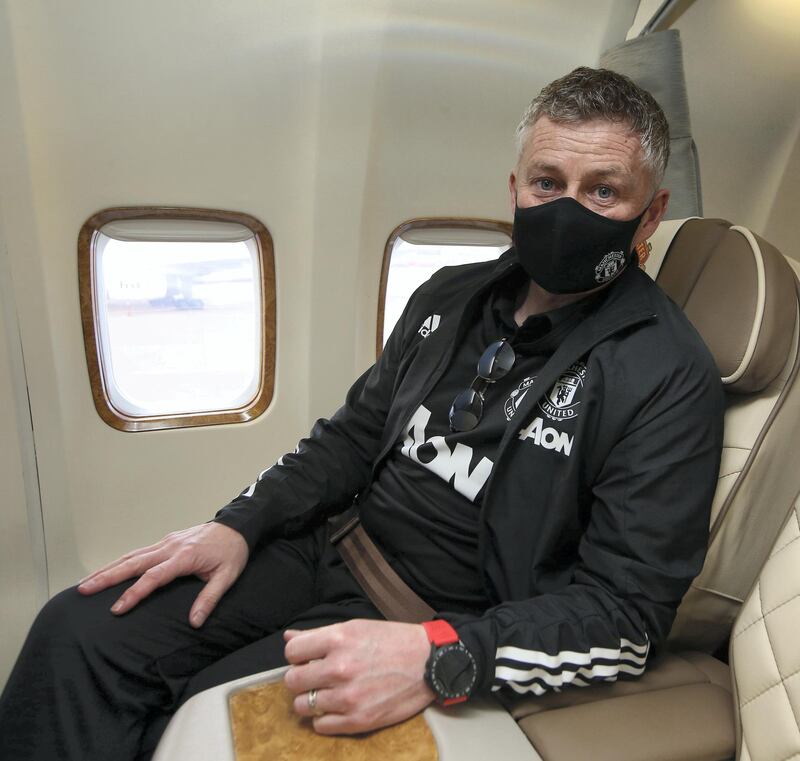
(440,632)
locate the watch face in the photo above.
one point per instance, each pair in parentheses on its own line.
(452,671)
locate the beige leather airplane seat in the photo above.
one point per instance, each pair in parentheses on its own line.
(742,296)
(755,521)
(765,657)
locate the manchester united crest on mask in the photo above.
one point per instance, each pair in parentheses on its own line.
(609,267)
(561,402)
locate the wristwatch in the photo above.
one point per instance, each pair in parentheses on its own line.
(450,671)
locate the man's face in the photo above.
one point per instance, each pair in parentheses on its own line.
(598,163)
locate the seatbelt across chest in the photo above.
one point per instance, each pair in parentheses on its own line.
(385,589)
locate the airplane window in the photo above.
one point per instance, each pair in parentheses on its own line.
(417,249)
(179,332)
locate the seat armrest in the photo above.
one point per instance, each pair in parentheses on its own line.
(201,729)
(474,731)
(693,722)
(681,709)
(478,730)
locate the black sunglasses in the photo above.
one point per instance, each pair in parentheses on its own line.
(467,408)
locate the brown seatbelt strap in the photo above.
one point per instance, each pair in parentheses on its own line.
(385,589)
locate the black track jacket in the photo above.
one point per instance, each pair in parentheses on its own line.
(595,518)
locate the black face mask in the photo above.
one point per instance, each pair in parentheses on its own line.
(567,248)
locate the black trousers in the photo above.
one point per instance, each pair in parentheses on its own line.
(90,686)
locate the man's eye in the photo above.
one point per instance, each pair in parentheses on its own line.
(546,184)
(604,192)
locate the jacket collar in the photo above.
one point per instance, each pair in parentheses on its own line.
(625,301)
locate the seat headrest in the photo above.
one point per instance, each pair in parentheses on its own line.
(739,293)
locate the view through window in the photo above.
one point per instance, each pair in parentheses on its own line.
(180,324)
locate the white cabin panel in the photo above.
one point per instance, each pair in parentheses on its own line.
(23,582)
(331,123)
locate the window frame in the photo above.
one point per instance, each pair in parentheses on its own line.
(87,239)
(438,223)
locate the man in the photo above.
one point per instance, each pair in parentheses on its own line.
(551,507)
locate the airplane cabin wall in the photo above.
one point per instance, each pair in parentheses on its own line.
(22,578)
(330,122)
(742,64)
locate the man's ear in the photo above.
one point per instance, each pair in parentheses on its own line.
(512,190)
(652,217)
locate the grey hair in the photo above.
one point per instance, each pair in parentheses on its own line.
(585,94)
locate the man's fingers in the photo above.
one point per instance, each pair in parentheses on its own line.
(209,596)
(320,673)
(310,645)
(345,712)
(211,551)
(121,570)
(153,578)
(337,724)
(326,701)
(85,584)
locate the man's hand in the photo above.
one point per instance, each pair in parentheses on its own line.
(368,674)
(212,552)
